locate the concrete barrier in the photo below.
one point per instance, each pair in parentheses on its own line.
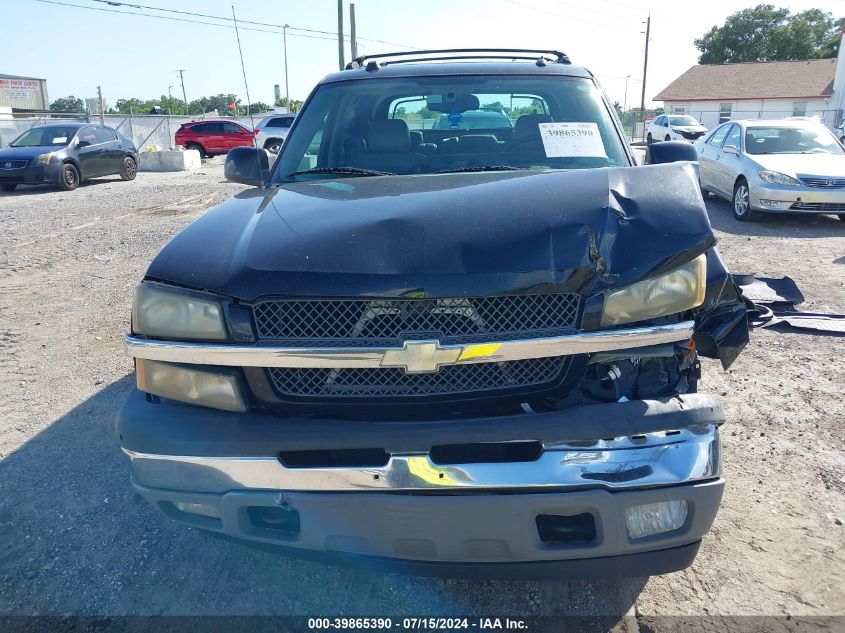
(189,160)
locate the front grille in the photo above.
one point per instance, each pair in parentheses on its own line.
(12,164)
(391,321)
(822,207)
(394,382)
(692,135)
(825,182)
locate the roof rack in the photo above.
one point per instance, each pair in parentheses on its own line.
(461,53)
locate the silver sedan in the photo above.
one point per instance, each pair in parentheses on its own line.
(774,166)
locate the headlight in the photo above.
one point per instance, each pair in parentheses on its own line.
(777,178)
(44,159)
(676,291)
(171,314)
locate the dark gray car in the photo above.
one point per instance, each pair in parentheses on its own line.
(66,154)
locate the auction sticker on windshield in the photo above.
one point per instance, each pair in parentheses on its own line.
(572,139)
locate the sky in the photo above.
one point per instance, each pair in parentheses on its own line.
(76,49)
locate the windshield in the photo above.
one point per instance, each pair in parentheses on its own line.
(47,135)
(491,122)
(683,120)
(791,140)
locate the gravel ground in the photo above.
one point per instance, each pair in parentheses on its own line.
(74,539)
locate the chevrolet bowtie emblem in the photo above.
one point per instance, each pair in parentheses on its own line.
(424,357)
(419,357)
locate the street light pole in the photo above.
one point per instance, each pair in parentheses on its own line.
(645,69)
(169,114)
(285,39)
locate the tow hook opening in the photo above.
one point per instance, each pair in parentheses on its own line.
(283,520)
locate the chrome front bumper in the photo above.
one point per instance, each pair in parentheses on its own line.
(666,458)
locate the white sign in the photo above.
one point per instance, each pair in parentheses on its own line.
(572,139)
(19,89)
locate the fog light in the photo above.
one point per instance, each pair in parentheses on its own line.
(206,388)
(654,518)
(772,203)
(203,509)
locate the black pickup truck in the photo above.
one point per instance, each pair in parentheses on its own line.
(455,351)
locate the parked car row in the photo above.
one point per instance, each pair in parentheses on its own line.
(69,153)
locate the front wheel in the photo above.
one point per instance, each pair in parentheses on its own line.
(129,169)
(649,139)
(742,203)
(9,188)
(668,138)
(68,178)
(274,147)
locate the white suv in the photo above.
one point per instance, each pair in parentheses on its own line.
(675,127)
(272,131)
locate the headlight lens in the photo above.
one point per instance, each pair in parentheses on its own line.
(195,386)
(44,159)
(676,291)
(777,178)
(169,314)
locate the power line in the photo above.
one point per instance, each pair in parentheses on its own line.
(216,17)
(172,19)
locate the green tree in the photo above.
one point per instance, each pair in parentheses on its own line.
(767,33)
(294,106)
(258,107)
(68,104)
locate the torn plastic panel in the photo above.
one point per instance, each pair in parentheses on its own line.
(721,325)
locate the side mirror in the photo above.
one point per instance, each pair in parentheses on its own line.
(246,165)
(731,149)
(670,152)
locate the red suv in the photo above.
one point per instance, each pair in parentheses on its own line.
(213,137)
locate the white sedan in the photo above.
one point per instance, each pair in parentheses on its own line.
(674,127)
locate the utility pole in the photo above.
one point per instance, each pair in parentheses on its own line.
(340,63)
(354,41)
(100,99)
(285,39)
(645,70)
(169,114)
(184,98)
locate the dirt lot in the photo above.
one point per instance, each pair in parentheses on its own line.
(74,539)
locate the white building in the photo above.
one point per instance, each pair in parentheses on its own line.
(714,93)
(92,105)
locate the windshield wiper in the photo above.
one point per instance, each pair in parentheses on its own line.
(342,171)
(483,168)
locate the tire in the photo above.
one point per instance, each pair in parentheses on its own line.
(9,188)
(69,177)
(128,169)
(668,138)
(199,148)
(742,202)
(274,146)
(648,139)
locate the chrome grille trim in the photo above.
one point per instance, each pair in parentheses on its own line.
(235,355)
(826,182)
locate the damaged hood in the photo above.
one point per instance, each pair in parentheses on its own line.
(445,235)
